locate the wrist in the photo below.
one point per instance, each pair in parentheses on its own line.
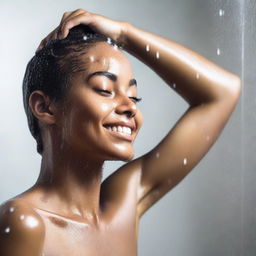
(123,38)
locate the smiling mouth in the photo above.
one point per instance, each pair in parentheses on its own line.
(122,132)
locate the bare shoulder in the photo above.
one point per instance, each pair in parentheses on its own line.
(126,178)
(21,229)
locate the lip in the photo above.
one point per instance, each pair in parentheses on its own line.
(119,135)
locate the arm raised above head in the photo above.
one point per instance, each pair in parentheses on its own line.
(21,230)
(210,91)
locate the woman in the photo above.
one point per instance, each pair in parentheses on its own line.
(87,114)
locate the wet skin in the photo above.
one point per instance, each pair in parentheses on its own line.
(70,211)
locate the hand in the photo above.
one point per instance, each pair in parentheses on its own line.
(100,24)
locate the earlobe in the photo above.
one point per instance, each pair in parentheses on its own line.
(41,107)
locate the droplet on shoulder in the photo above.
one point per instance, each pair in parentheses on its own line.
(7,230)
(11,209)
(31,222)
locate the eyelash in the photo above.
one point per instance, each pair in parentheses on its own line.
(134,99)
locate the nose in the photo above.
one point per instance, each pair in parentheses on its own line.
(126,107)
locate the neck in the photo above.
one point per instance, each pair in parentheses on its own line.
(71,183)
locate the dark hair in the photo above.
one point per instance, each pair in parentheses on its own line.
(51,69)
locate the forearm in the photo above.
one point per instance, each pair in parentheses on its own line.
(197,80)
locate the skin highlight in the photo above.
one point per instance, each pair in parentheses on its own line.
(73,211)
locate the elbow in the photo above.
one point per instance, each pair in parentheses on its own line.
(236,88)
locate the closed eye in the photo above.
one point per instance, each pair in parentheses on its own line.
(135,99)
(105,92)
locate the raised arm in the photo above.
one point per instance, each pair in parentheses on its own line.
(210,91)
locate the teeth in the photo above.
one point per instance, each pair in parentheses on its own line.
(120,129)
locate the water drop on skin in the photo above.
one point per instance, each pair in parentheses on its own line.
(157,55)
(197,76)
(174,86)
(22,217)
(157,155)
(11,209)
(147,48)
(91,58)
(31,222)
(208,138)
(221,12)
(7,230)
(218,52)
(185,161)
(109,40)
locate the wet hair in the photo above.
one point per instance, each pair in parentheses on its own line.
(51,70)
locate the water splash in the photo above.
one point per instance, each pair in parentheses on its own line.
(221,12)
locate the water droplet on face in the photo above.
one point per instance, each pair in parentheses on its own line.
(218,52)
(7,230)
(157,155)
(91,58)
(221,12)
(174,85)
(185,161)
(157,55)
(22,217)
(147,48)
(197,76)
(11,209)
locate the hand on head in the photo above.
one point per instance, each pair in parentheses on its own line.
(100,24)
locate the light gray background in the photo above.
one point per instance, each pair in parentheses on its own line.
(212,212)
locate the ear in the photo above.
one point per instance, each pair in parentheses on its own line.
(42,107)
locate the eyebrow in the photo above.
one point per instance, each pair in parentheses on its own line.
(111,76)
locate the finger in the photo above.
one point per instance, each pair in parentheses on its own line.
(86,19)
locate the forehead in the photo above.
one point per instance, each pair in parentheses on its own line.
(105,57)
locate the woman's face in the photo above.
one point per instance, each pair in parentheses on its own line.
(100,116)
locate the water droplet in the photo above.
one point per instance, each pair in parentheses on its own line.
(109,41)
(174,85)
(208,138)
(147,48)
(185,161)
(157,155)
(197,76)
(7,230)
(31,221)
(218,52)
(115,47)
(221,12)
(11,209)
(157,55)
(85,37)
(91,58)
(22,217)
